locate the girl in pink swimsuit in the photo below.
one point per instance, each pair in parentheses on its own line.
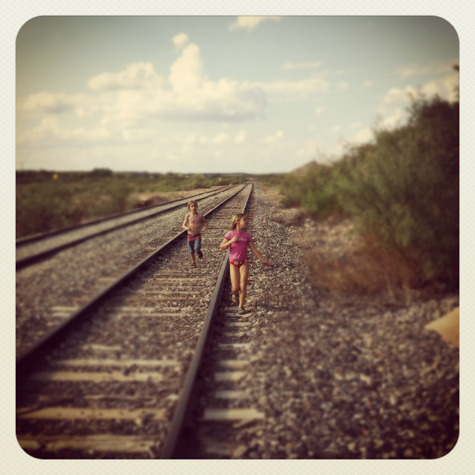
(238,241)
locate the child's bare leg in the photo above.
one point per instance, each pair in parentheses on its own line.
(234,271)
(192,255)
(244,274)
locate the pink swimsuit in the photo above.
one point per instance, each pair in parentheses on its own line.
(238,250)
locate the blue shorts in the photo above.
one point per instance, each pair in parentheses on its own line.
(194,242)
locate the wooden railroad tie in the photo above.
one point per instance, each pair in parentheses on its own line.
(101,443)
(97,377)
(231,415)
(57,413)
(115,362)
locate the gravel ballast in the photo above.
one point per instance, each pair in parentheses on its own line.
(338,376)
(77,272)
(344,376)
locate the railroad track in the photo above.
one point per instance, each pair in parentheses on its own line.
(32,249)
(113,386)
(224,405)
(74,276)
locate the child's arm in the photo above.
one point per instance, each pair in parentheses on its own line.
(203,219)
(258,254)
(184,226)
(226,243)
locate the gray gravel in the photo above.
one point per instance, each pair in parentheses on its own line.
(76,272)
(81,232)
(138,346)
(340,376)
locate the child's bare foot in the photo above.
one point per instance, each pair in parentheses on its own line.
(200,254)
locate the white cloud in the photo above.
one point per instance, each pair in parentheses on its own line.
(364,135)
(187,72)
(393,120)
(135,76)
(274,137)
(193,96)
(397,96)
(392,109)
(305,65)
(342,85)
(180,40)
(188,94)
(139,135)
(392,106)
(432,68)
(240,137)
(445,87)
(126,107)
(293,89)
(49,103)
(50,130)
(251,22)
(136,95)
(320,150)
(222,137)
(367,83)
(344,72)
(307,152)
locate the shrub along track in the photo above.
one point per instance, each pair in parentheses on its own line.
(110,389)
(337,376)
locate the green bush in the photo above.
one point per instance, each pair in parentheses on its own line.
(401,190)
(44,203)
(405,189)
(42,208)
(314,190)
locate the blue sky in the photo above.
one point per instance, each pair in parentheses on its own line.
(220,93)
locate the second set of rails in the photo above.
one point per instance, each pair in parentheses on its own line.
(102,260)
(119,386)
(32,249)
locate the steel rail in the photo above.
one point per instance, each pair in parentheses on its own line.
(38,237)
(32,357)
(27,261)
(183,404)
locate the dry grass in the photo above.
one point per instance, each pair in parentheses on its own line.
(360,268)
(338,259)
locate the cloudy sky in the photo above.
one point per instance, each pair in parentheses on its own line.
(218,94)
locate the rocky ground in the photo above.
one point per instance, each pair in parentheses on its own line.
(77,272)
(345,376)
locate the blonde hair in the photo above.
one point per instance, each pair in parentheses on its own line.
(235,220)
(192,202)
